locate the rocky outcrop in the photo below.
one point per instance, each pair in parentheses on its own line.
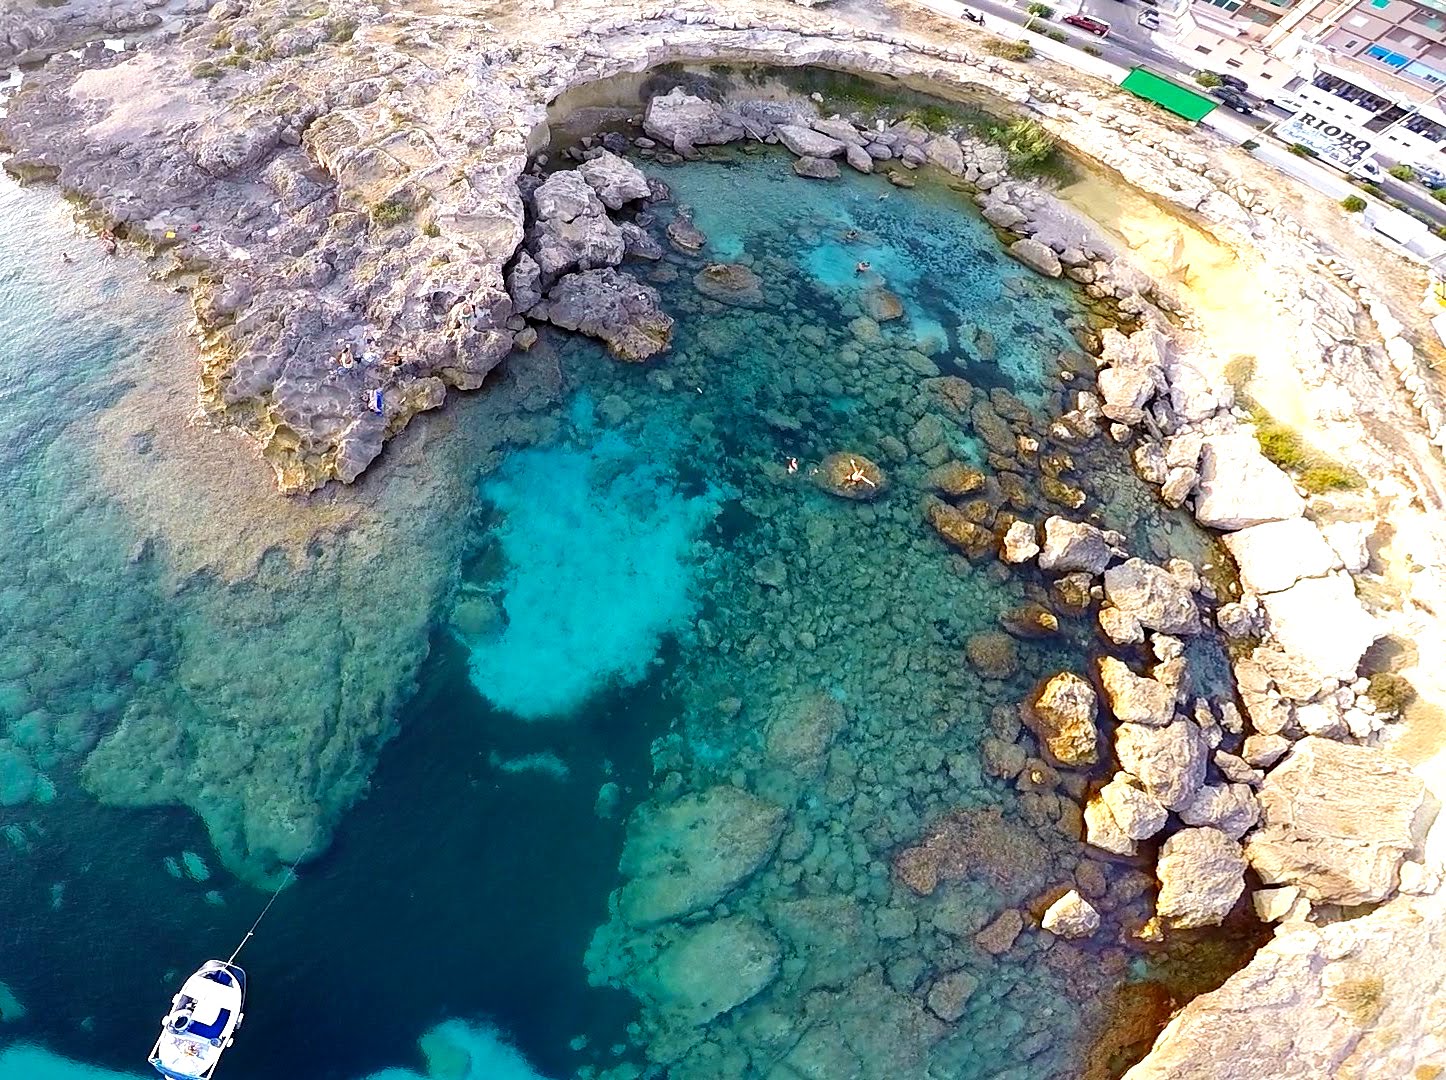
(1169,761)
(1239,487)
(683,121)
(1338,821)
(1135,699)
(1153,597)
(850,476)
(617,182)
(613,307)
(1071,546)
(711,969)
(1321,1001)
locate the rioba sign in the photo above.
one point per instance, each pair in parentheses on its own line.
(1345,144)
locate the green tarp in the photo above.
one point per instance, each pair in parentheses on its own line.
(1178,99)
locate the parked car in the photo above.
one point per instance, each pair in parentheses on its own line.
(1097,27)
(1148,19)
(1232,99)
(1433,179)
(1234,82)
(1368,169)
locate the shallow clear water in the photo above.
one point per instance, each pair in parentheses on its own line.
(642,591)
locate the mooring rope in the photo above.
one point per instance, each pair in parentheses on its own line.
(286,879)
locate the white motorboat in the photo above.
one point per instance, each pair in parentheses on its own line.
(203,1018)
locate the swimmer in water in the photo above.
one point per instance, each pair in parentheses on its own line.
(861,268)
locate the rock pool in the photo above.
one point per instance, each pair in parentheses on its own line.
(697,764)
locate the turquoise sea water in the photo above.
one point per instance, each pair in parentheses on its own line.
(632,589)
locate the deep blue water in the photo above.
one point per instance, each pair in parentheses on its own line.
(640,517)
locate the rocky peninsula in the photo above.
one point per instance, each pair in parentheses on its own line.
(355,198)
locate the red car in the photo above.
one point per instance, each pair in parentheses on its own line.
(1097,27)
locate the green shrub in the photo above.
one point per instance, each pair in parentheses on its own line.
(1090,50)
(1026,143)
(1353,204)
(206,70)
(341,31)
(1239,370)
(1043,11)
(1056,35)
(391,212)
(432,229)
(1439,195)
(1402,172)
(1248,145)
(1316,472)
(1010,50)
(1208,78)
(1390,692)
(1301,150)
(1370,188)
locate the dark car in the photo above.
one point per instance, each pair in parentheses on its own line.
(1234,82)
(1097,27)
(1232,99)
(1150,3)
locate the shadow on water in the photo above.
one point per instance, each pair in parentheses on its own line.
(456,889)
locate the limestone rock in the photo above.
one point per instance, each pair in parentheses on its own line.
(1202,875)
(954,479)
(992,654)
(805,142)
(858,158)
(1275,555)
(685,856)
(1037,256)
(615,308)
(1071,916)
(1136,812)
(1169,760)
(1071,546)
(959,529)
(1231,808)
(711,969)
(1135,699)
(1156,598)
(801,730)
(945,153)
(850,476)
(998,937)
(1062,715)
(1263,751)
(684,121)
(1103,831)
(1020,543)
(616,181)
(1240,487)
(1120,626)
(1338,821)
(1347,999)
(1322,624)
(685,236)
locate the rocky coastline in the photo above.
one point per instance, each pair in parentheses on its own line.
(410,233)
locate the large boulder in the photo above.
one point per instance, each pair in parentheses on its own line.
(1037,256)
(1358,998)
(805,142)
(1153,597)
(1202,875)
(685,856)
(1240,487)
(573,230)
(711,969)
(1338,820)
(1169,761)
(1134,369)
(613,307)
(1275,555)
(1136,699)
(617,182)
(684,121)
(1071,546)
(1322,624)
(1062,715)
(1231,808)
(1138,814)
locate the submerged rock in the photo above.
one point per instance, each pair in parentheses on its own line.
(685,236)
(730,283)
(1202,875)
(959,529)
(615,308)
(816,168)
(954,479)
(850,476)
(711,969)
(1062,714)
(801,730)
(686,856)
(992,654)
(1338,821)
(881,305)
